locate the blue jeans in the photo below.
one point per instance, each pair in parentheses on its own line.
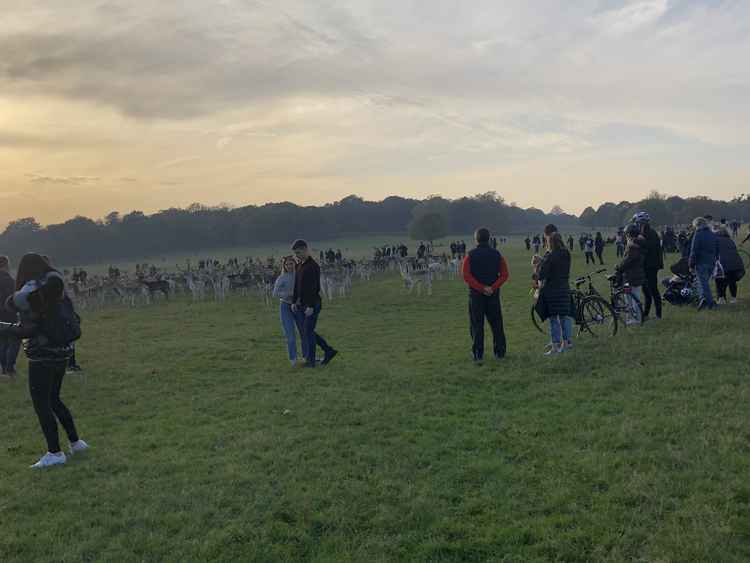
(289,324)
(310,338)
(704,272)
(561,328)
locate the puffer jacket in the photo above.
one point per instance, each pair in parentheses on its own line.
(631,267)
(554,296)
(26,301)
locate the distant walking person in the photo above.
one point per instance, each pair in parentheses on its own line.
(9,344)
(704,252)
(306,304)
(283,290)
(47,324)
(653,262)
(485,271)
(599,247)
(571,243)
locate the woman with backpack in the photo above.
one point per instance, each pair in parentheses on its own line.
(47,321)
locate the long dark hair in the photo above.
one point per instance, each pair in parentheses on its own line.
(31,267)
(556,242)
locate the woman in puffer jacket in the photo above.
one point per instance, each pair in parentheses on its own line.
(734,269)
(39,288)
(555,301)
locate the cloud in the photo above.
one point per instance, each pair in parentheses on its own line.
(631,17)
(67,180)
(177,161)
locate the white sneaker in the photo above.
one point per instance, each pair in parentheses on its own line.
(79,446)
(50,459)
(721,301)
(733,301)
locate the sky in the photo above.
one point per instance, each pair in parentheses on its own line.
(135,105)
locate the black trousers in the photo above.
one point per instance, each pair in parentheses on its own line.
(651,292)
(45,381)
(599,255)
(590,256)
(9,347)
(482,307)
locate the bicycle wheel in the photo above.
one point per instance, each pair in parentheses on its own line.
(597,317)
(628,308)
(536,321)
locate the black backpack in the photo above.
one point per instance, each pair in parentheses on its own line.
(61,324)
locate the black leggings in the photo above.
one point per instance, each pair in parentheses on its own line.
(651,292)
(45,381)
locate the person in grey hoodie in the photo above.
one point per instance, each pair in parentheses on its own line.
(284,290)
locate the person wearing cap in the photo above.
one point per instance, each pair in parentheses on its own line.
(485,271)
(653,261)
(704,253)
(306,305)
(9,343)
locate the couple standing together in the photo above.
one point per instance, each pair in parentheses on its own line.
(298,290)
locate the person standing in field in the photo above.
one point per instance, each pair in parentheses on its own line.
(599,247)
(734,269)
(653,262)
(631,268)
(589,250)
(571,243)
(283,290)
(554,302)
(485,271)
(704,253)
(39,297)
(306,305)
(9,344)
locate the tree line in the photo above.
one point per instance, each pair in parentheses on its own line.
(135,235)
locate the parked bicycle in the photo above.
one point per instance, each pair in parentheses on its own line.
(625,303)
(595,316)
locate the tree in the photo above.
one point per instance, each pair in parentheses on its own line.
(557,210)
(428,226)
(22,227)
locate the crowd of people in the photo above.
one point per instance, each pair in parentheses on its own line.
(35,306)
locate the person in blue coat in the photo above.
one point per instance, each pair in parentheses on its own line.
(704,253)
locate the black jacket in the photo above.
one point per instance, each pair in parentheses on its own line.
(554,296)
(28,303)
(653,258)
(631,266)
(307,284)
(730,259)
(7,288)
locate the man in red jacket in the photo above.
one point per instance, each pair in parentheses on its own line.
(485,271)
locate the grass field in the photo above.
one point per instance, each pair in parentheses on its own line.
(208,447)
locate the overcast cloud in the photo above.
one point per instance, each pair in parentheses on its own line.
(248,101)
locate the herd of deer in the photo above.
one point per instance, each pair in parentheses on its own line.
(217,283)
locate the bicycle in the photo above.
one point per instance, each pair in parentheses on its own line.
(626,304)
(594,314)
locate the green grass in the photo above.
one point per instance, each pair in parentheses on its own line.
(208,447)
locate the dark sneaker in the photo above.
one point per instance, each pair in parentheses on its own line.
(328,357)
